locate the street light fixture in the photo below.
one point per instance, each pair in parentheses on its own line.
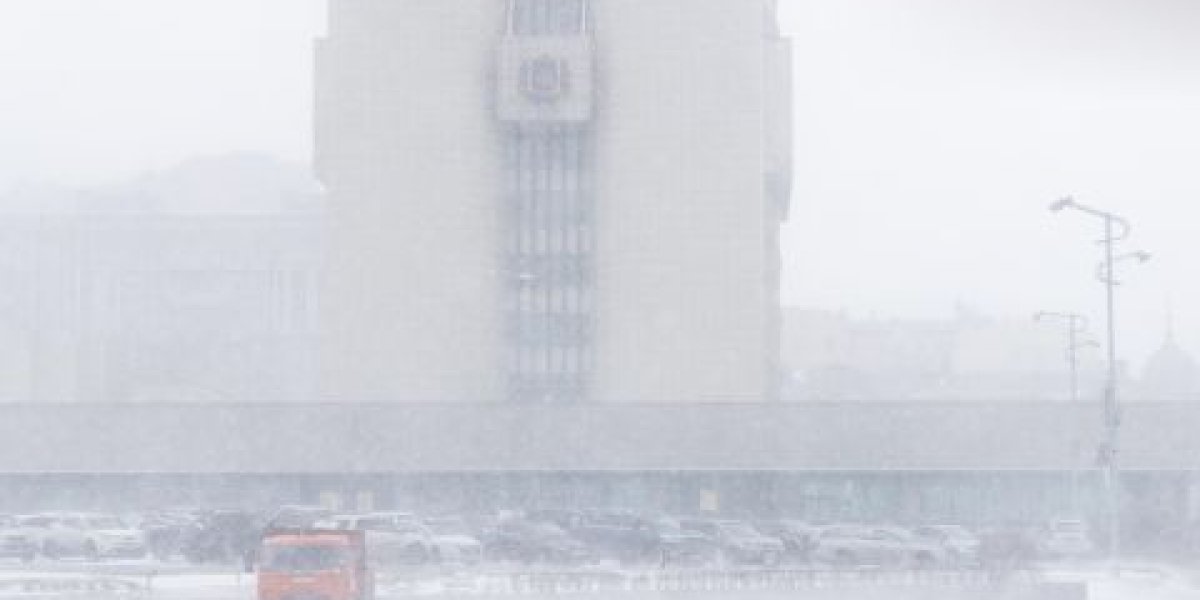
(1062,203)
(1112,411)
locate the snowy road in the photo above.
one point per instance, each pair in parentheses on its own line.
(1136,583)
(179,582)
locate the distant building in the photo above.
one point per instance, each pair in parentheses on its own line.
(1171,373)
(166,290)
(553,200)
(831,356)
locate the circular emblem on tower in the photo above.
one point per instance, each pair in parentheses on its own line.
(545,79)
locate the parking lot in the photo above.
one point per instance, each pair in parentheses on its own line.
(208,554)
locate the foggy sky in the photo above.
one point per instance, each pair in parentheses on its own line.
(931,134)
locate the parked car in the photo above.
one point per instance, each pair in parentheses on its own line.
(530,542)
(961,547)
(738,542)
(1066,538)
(632,538)
(858,546)
(83,535)
(222,536)
(298,517)
(566,519)
(798,537)
(454,542)
(619,535)
(392,538)
(680,547)
(16,542)
(1007,548)
(166,530)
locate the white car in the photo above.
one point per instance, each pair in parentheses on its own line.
(83,535)
(1066,538)
(961,546)
(453,541)
(295,516)
(15,542)
(737,541)
(392,538)
(858,546)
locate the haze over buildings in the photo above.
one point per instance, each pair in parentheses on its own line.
(577,209)
(191,284)
(935,129)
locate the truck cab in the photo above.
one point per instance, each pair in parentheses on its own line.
(317,564)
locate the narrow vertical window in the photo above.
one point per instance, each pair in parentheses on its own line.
(547,17)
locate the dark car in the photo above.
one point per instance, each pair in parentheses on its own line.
(680,547)
(739,542)
(568,520)
(623,536)
(1009,548)
(961,546)
(166,530)
(635,539)
(15,542)
(798,537)
(223,536)
(298,517)
(530,542)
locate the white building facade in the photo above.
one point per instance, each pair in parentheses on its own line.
(553,200)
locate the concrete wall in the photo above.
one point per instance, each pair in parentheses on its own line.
(682,267)
(392,438)
(409,155)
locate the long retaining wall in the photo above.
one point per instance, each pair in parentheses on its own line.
(430,438)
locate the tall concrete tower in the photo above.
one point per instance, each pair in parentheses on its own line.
(553,200)
(545,102)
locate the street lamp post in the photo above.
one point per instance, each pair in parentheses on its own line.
(1112,411)
(1076,326)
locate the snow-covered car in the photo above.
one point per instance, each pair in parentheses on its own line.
(631,539)
(454,542)
(1066,538)
(86,535)
(738,541)
(858,546)
(298,517)
(618,535)
(222,536)
(1008,547)
(392,538)
(522,540)
(15,542)
(961,546)
(798,537)
(681,547)
(165,530)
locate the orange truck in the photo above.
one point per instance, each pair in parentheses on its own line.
(314,565)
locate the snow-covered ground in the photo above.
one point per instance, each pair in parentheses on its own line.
(1136,582)
(181,582)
